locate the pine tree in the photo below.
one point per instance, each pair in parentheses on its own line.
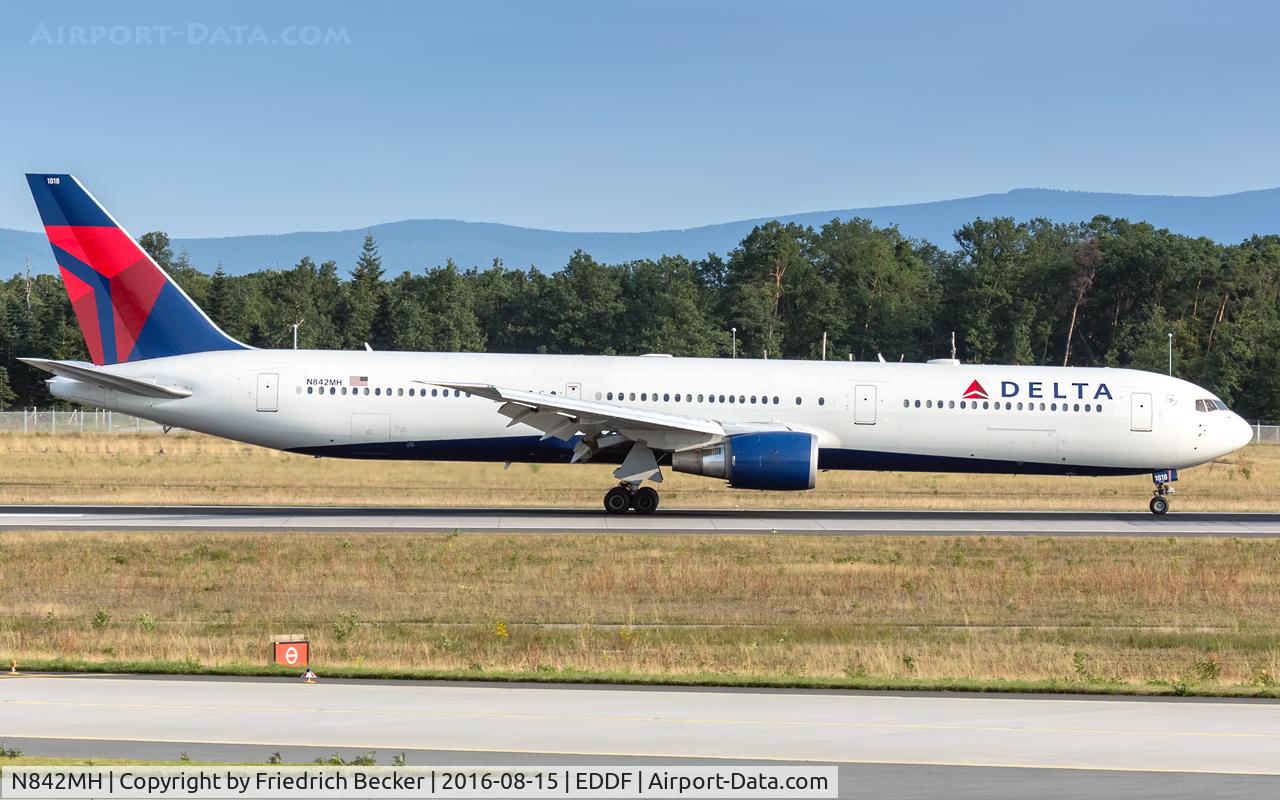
(364,296)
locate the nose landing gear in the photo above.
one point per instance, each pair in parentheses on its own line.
(625,497)
(1159,504)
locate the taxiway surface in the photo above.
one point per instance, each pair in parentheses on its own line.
(901,744)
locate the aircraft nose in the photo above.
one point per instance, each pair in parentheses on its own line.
(1241,432)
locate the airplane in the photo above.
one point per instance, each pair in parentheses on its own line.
(756,424)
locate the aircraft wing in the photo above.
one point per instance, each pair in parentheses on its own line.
(563,417)
(88,373)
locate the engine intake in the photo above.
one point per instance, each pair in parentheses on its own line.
(780,460)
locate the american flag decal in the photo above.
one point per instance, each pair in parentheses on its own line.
(359,380)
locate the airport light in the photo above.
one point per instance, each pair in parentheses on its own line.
(734,331)
(1170,353)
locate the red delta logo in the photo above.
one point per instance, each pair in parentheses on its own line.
(975,392)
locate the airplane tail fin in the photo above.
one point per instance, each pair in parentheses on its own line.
(127,307)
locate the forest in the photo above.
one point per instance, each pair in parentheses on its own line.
(1107,292)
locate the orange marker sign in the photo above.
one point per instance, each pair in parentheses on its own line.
(292,654)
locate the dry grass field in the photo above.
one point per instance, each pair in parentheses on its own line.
(1118,614)
(1109,614)
(189,468)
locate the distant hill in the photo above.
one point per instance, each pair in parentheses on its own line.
(417,244)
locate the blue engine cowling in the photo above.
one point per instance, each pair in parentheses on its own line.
(779,460)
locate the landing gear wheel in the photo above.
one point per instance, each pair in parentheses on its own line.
(646,501)
(617,500)
(1159,505)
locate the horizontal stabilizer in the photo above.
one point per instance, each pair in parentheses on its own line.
(88,373)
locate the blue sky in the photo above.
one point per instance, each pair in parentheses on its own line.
(626,116)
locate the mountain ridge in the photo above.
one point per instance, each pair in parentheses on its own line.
(415,244)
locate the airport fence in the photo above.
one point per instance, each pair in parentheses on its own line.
(81,420)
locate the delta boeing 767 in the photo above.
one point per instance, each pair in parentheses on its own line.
(757,424)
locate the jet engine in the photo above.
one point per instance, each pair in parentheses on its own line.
(781,460)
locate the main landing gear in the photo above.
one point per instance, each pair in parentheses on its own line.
(1159,504)
(625,497)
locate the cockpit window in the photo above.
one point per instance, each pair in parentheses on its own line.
(1221,406)
(1209,404)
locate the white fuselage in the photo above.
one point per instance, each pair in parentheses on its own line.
(865,415)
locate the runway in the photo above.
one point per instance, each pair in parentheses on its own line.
(908,744)
(514,520)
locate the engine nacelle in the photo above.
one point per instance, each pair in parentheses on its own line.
(781,460)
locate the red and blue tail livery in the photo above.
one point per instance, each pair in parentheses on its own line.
(127,307)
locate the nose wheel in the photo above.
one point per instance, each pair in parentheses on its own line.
(624,498)
(1159,504)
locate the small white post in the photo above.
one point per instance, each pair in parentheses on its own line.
(824,345)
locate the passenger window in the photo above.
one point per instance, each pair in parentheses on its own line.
(643,397)
(1088,407)
(927,403)
(906,404)
(951,404)
(822,401)
(917,404)
(1077,407)
(798,401)
(730,398)
(721,398)
(984,405)
(333,390)
(775,399)
(310,389)
(962,406)
(1019,406)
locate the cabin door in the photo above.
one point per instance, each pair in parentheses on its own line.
(864,404)
(268,391)
(1140,412)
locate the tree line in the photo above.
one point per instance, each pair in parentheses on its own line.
(1103,292)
